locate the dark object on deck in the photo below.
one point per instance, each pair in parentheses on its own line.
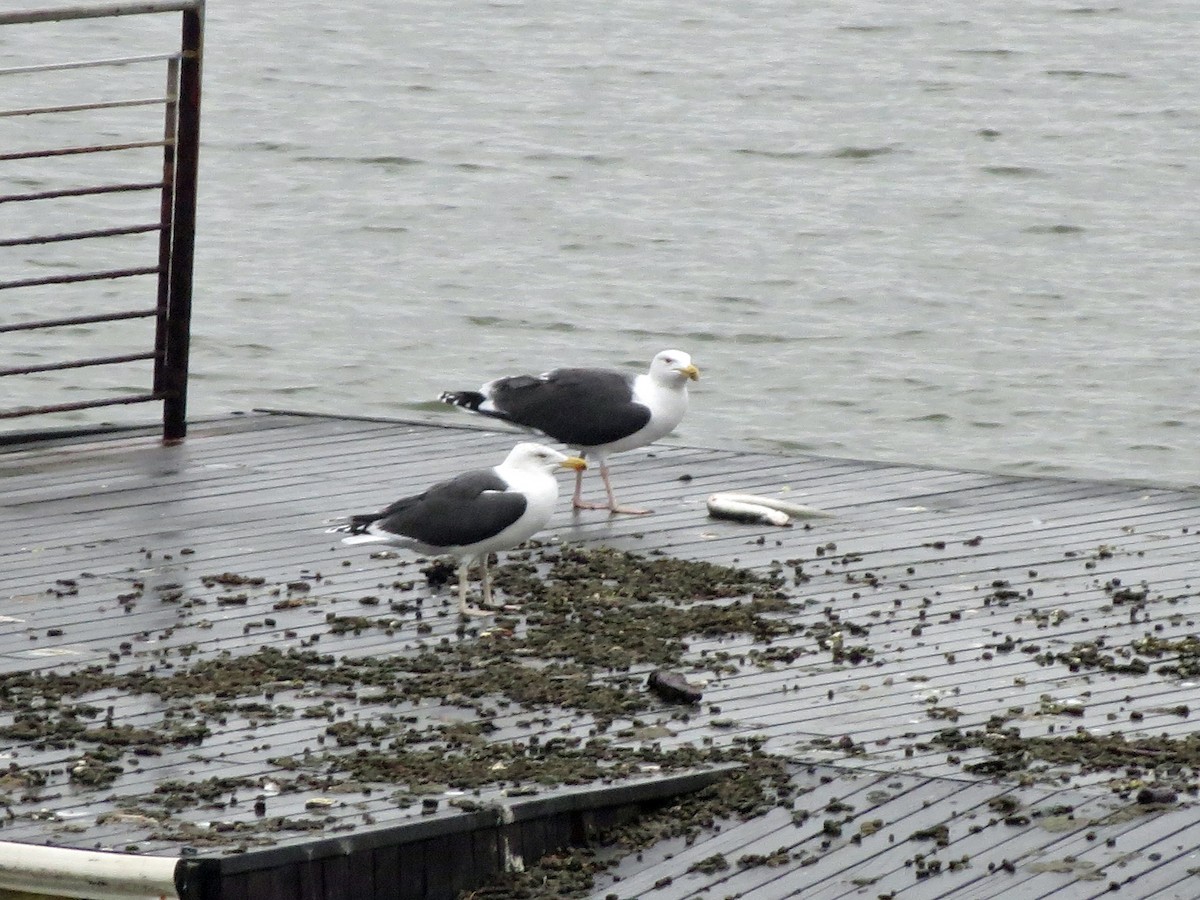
(176,223)
(673,687)
(1150,795)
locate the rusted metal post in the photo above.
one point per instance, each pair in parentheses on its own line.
(166,215)
(183,229)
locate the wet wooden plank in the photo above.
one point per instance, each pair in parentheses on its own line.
(311,875)
(360,875)
(280,883)
(387,873)
(412,870)
(250,496)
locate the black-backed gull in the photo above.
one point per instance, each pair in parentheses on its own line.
(473,514)
(596,411)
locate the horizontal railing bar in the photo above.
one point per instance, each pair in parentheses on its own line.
(79,235)
(88,64)
(80,320)
(82,404)
(81,192)
(98,11)
(70,151)
(78,364)
(71,279)
(83,107)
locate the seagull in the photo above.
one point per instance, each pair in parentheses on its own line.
(471,515)
(596,411)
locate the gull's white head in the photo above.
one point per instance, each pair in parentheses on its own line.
(531,456)
(673,367)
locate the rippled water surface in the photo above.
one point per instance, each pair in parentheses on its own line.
(957,234)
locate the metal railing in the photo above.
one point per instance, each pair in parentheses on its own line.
(170,304)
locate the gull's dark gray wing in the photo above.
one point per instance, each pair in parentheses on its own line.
(579,407)
(469,508)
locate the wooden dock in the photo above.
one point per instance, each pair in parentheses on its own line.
(978,685)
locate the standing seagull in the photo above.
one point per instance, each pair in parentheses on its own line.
(472,514)
(597,411)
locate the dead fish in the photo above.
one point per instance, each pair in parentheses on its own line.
(721,507)
(794,510)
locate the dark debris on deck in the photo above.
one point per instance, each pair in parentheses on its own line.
(970,679)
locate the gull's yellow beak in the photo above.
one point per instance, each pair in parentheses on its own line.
(574,462)
(691,372)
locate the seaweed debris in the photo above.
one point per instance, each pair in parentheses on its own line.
(572,872)
(588,618)
(1032,758)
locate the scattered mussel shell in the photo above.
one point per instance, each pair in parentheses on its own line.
(673,687)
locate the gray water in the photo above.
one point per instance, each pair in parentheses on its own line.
(947,233)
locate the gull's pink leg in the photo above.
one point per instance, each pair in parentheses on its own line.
(612,500)
(612,506)
(577,500)
(487,582)
(463,569)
